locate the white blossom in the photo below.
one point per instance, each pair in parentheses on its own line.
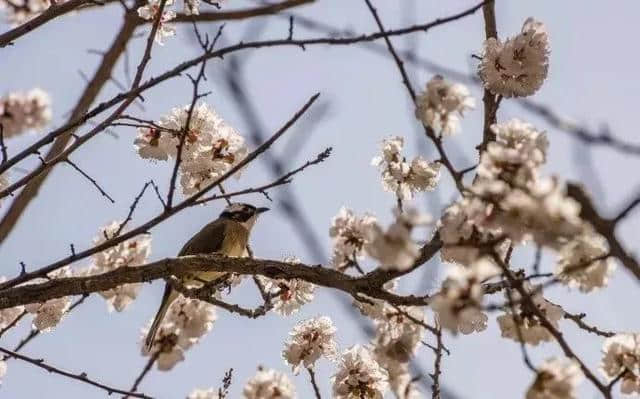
(526,321)
(459,302)
(49,313)
(269,384)
(359,376)
(517,67)
(583,263)
(186,321)
(22,111)
(622,355)
(291,294)
(556,379)
(149,13)
(211,147)
(402,177)
(191,7)
(543,213)
(198,393)
(308,341)
(394,248)
(130,253)
(461,238)
(350,233)
(19,12)
(515,155)
(4,182)
(442,104)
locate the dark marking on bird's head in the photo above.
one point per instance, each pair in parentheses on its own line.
(241,212)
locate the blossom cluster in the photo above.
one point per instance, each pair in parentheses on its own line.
(309,340)
(269,384)
(459,302)
(210,148)
(48,314)
(556,378)
(442,104)
(130,253)
(22,111)
(393,247)
(401,177)
(187,320)
(288,296)
(521,321)
(517,67)
(622,359)
(20,11)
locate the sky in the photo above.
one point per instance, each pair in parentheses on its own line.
(591,80)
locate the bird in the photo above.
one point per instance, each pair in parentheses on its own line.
(228,235)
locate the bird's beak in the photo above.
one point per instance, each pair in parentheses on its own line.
(261,210)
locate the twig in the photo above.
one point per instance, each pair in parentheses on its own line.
(579,320)
(82,377)
(143,373)
(312,377)
(92,180)
(489,100)
(3,147)
(132,208)
(437,365)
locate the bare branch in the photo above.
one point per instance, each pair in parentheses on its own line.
(82,377)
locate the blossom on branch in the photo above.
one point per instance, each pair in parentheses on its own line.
(288,295)
(186,321)
(522,323)
(309,340)
(584,263)
(9,315)
(350,234)
(49,314)
(22,11)
(149,13)
(359,376)
(22,111)
(556,379)
(622,358)
(204,394)
(394,248)
(402,177)
(517,67)
(442,104)
(210,149)
(459,302)
(269,384)
(132,252)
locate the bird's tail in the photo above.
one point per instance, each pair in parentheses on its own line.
(169,296)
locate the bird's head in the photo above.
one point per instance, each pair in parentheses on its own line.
(244,214)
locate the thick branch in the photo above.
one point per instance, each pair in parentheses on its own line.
(366,285)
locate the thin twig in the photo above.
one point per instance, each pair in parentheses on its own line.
(312,377)
(143,373)
(82,377)
(92,180)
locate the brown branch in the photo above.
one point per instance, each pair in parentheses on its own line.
(490,101)
(437,365)
(13,322)
(367,285)
(82,377)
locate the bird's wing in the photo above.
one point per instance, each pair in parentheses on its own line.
(208,240)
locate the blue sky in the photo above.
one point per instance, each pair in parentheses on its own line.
(591,80)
